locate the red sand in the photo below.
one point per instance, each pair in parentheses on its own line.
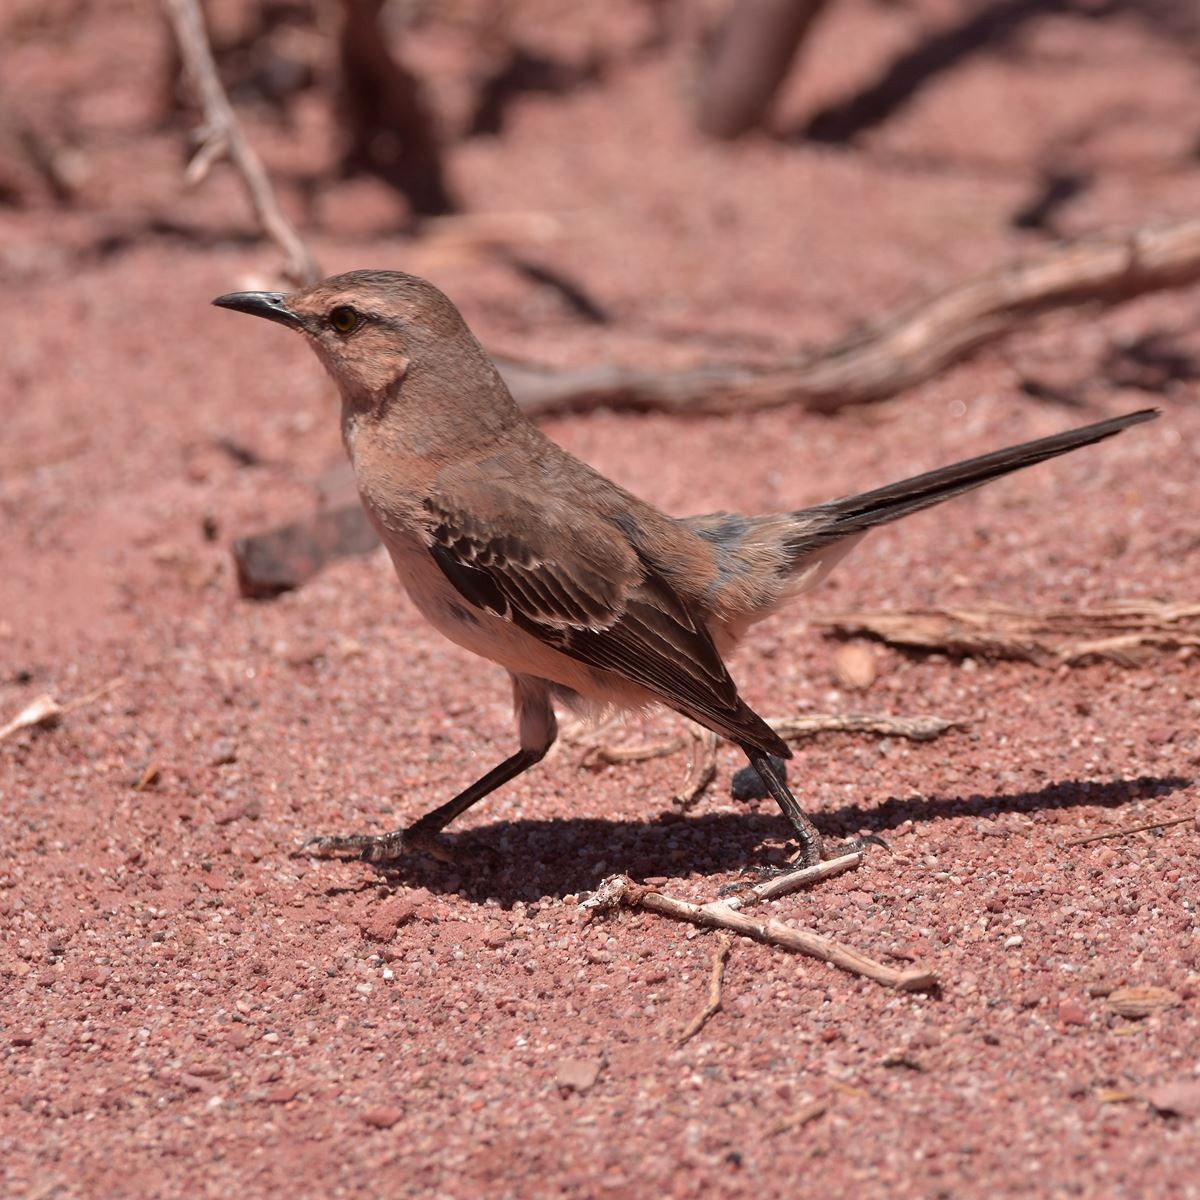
(189,1009)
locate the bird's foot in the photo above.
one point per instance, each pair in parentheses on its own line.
(810,854)
(802,857)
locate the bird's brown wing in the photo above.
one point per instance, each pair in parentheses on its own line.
(573,580)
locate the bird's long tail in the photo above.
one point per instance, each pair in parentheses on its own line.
(825,524)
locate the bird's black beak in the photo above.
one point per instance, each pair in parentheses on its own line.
(261,304)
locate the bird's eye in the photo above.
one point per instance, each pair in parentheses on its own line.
(344,319)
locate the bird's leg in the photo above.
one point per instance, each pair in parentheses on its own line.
(812,848)
(538,728)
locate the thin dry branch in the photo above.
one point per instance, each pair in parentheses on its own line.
(1116,833)
(224,137)
(1125,632)
(915,729)
(701,771)
(793,881)
(619,890)
(713,1005)
(904,349)
(753,51)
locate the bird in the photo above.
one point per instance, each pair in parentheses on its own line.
(589,597)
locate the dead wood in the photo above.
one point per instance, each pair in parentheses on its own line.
(223,137)
(392,132)
(619,890)
(716,979)
(904,349)
(1124,632)
(915,729)
(749,60)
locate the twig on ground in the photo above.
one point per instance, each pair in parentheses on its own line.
(807,1112)
(604,755)
(702,769)
(748,62)
(89,697)
(619,890)
(793,881)
(906,348)
(1115,833)
(1124,632)
(713,1006)
(224,137)
(44,710)
(915,729)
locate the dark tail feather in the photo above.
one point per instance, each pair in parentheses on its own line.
(843,518)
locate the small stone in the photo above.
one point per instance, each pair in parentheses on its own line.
(21,1037)
(854,666)
(284,558)
(1180,1099)
(1071,1012)
(383,1117)
(747,784)
(222,752)
(577,1074)
(382,920)
(284,1094)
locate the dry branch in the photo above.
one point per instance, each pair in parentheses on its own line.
(713,1005)
(793,881)
(619,890)
(1168,823)
(702,769)
(1125,632)
(44,710)
(223,137)
(392,130)
(902,350)
(915,729)
(750,59)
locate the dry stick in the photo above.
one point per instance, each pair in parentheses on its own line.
(792,881)
(1114,833)
(720,958)
(1122,632)
(223,136)
(904,349)
(915,729)
(45,710)
(605,755)
(620,889)
(702,769)
(749,61)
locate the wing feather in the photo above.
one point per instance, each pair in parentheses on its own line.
(583,588)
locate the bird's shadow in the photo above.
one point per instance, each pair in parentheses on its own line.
(526,860)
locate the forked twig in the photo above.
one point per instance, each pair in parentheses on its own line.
(224,137)
(619,890)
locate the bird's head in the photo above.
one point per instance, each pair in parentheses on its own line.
(392,342)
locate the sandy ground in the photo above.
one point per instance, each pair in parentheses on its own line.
(190,1008)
